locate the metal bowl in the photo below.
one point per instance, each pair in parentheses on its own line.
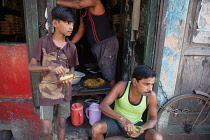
(78,77)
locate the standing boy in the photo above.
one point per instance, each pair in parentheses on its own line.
(57,56)
(131,100)
(104,44)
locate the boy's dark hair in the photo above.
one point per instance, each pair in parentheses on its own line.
(62,13)
(143,72)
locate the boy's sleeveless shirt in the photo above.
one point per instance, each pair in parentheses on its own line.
(132,112)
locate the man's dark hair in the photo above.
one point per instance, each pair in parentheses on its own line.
(143,72)
(62,13)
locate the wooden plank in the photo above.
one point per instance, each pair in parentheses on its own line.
(50,5)
(42,4)
(159,44)
(31,23)
(197,51)
(125,52)
(191,73)
(186,43)
(32,35)
(205,82)
(151,32)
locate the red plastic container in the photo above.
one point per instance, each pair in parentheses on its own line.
(77,115)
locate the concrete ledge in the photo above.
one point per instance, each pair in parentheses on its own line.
(118,138)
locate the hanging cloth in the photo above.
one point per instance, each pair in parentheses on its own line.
(135,18)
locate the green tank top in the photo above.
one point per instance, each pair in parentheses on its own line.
(133,112)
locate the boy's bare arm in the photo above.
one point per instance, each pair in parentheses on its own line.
(34,67)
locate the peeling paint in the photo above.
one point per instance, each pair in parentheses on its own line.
(174,22)
(202,37)
(176,12)
(204,16)
(171,42)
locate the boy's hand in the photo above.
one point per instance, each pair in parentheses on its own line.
(67,82)
(58,69)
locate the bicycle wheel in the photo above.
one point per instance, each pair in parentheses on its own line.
(184,114)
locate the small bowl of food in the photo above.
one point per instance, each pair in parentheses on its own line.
(137,130)
(78,76)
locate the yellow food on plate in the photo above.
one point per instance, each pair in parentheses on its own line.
(66,77)
(137,130)
(94,82)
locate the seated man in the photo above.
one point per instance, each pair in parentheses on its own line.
(131,99)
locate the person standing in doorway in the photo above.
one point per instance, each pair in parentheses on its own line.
(57,56)
(104,44)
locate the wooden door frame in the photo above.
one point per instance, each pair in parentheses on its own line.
(159,45)
(152,34)
(31,17)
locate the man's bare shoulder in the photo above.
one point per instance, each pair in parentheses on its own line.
(152,98)
(120,86)
(122,83)
(153,93)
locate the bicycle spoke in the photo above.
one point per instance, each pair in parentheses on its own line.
(184,113)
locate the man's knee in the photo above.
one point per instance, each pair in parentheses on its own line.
(98,128)
(158,136)
(153,135)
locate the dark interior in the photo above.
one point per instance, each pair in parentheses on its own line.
(12,21)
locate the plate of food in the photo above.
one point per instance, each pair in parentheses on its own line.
(137,130)
(94,83)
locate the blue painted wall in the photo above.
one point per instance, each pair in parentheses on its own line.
(174,24)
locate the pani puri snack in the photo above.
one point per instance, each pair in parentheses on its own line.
(137,130)
(66,77)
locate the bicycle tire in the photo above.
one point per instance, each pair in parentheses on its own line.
(187,126)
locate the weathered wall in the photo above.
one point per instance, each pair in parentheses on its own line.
(15,78)
(17,112)
(174,24)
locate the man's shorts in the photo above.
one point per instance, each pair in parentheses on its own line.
(60,110)
(115,128)
(106,53)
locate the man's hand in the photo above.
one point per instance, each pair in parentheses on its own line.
(128,125)
(137,134)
